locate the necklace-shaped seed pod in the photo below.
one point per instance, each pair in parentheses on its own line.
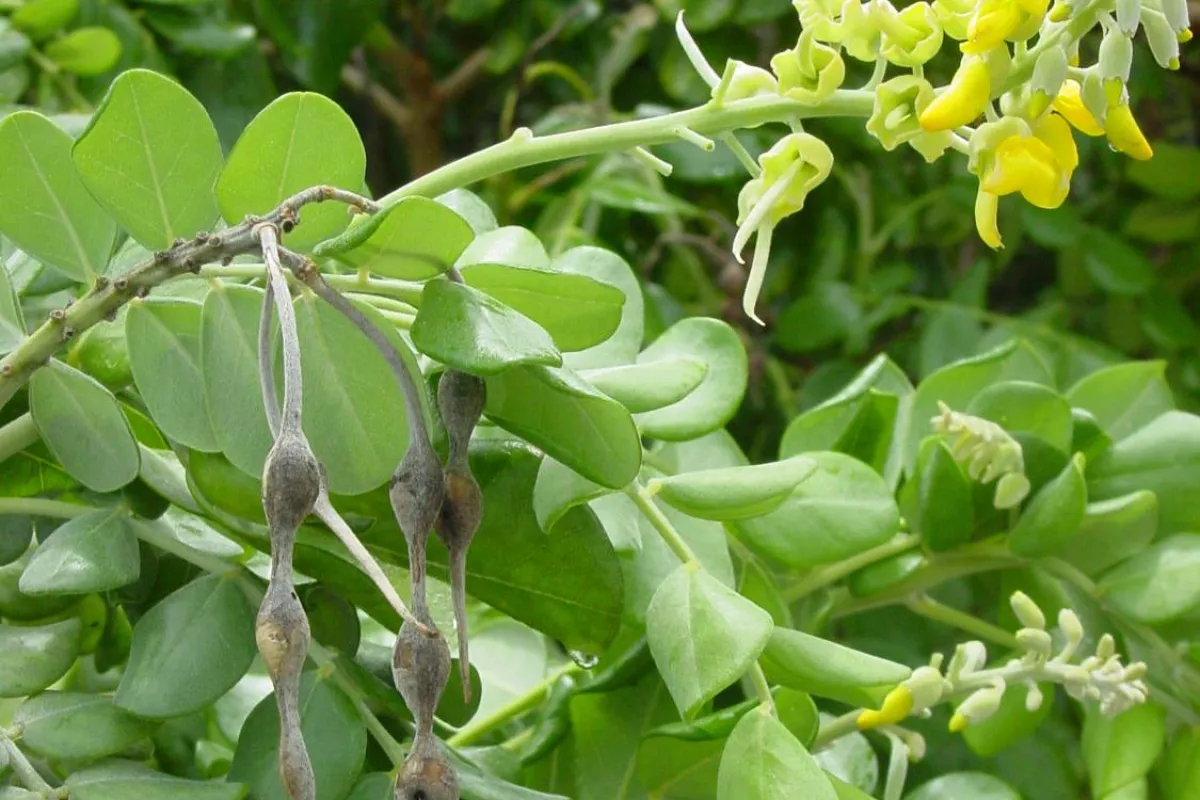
(461,398)
(416,493)
(426,774)
(421,669)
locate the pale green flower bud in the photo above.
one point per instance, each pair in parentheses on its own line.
(1095,99)
(1106,648)
(1178,17)
(1116,56)
(859,34)
(1027,611)
(810,72)
(741,81)
(1164,44)
(955,16)
(1048,75)
(1035,641)
(1128,13)
(898,105)
(927,686)
(1011,491)
(978,707)
(1072,628)
(968,657)
(910,37)
(1033,697)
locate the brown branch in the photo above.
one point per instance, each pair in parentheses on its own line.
(461,79)
(384,101)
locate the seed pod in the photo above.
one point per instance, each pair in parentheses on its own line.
(282,634)
(420,669)
(426,774)
(456,526)
(291,483)
(416,494)
(461,398)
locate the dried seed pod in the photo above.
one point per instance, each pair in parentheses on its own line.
(291,483)
(461,398)
(420,669)
(462,510)
(282,634)
(416,494)
(426,774)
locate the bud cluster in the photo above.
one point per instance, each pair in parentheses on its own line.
(988,452)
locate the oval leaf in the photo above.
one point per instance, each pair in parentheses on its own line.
(1125,397)
(827,669)
(511,245)
(189,649)
(95,552)
(943,492)
(151,156)
(1053,515)
(82,424)
(1025,407)
(703,635)
(466,329)
(607,267)
(734,492)
(300,140)
(1112,531)
(124,780)
(77,727)
(1159,584)
(557,411)
(33,658)
(86,51)
(957,785)
(646,387)
(764,761)
(44,207)
(163,339)
(558,489)
(415,239)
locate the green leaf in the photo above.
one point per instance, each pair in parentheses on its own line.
(15,535)
(558,489)
(372,786)
(316,38)
(44,207)
(415,239)
(334,735)
(77,727)
(82,425)
(35,657)
(760,587)
(1119,750)
(764,761)
(1011,723)
(12,320)
(189,649)
(348,380)
(124,780)
(827,669)
(229,368)
(632,195)
(1126,397)
(717,725)
(828,314)
(466,329)
(1158,584)
(1025,407)
(859,425)
(577,311)
(471,207)
(1053,515)
(714,402)
(95,552)
(844,508)
(851,759)
(163,339)
(957,384)
(557,411)
(885,573)
(41,18)
(703,635)
(86,51)
(943,495)
(511,245)
(957,785)
(646,387)
(1116,266)
(196,33)
(1164,458)
(734,492)
(14,47)
(624,343)
(151,156)
(606,729)
(673,769)
(1181,766)
(298,141)
(1112,531)
(1170,174)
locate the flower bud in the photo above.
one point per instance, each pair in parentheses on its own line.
(859,34)
(1177,16)
(1072,628)
(1164,44)
(1035,641)
(1124,134)
(1128,13)
(912,36)
(1011,491)
(1069,104)
(1048,75)
(978,707)
(898,104)
(1027,611)
(955,16)
(809,72)
(1106,648)
(741,81)
(1033,697)
(1116,56)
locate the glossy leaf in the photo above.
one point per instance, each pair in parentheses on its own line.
(1158,584)
(734,492)
(859,425)
(842,509)
(85,51)
(610,726)
(1053,515)
(557,411)
(415,239)
(77,727)
(1026,407)
(851,760)
(623,345)
(163,339)
(944,517)
(33,658)
(1164,458)
(558,489)
(229,367)
(471,207)
(151,156)
(885,573)
(189,649)
(16,532)
(1119,750)
(298,141)
(466,329)
(12,320)
(716,725)
(125,780)
(348,382)
(82,425)
(827,669)
(44,207)
(646,387)
(95,552)
(334,735)
(40,18)
(764,761)
(510,245)
(1125,397)
(703,635)
(1112,531)
(675,768)
(714,402)
(1181,765)
(956,785)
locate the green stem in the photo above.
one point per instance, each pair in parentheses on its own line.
(836,728)
(17,435)
(824,576)
(477,729)
(29,776)
(939,612)
(524,150)
(659,520)
(762,688)
(407,291)
(39,507)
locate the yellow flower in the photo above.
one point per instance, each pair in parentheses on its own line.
(896,706)
(997,21)
(955,16)
(963,100)
(1069,103)
(1124,134)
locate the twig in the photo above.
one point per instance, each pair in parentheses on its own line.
(384,101)
(459,81)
